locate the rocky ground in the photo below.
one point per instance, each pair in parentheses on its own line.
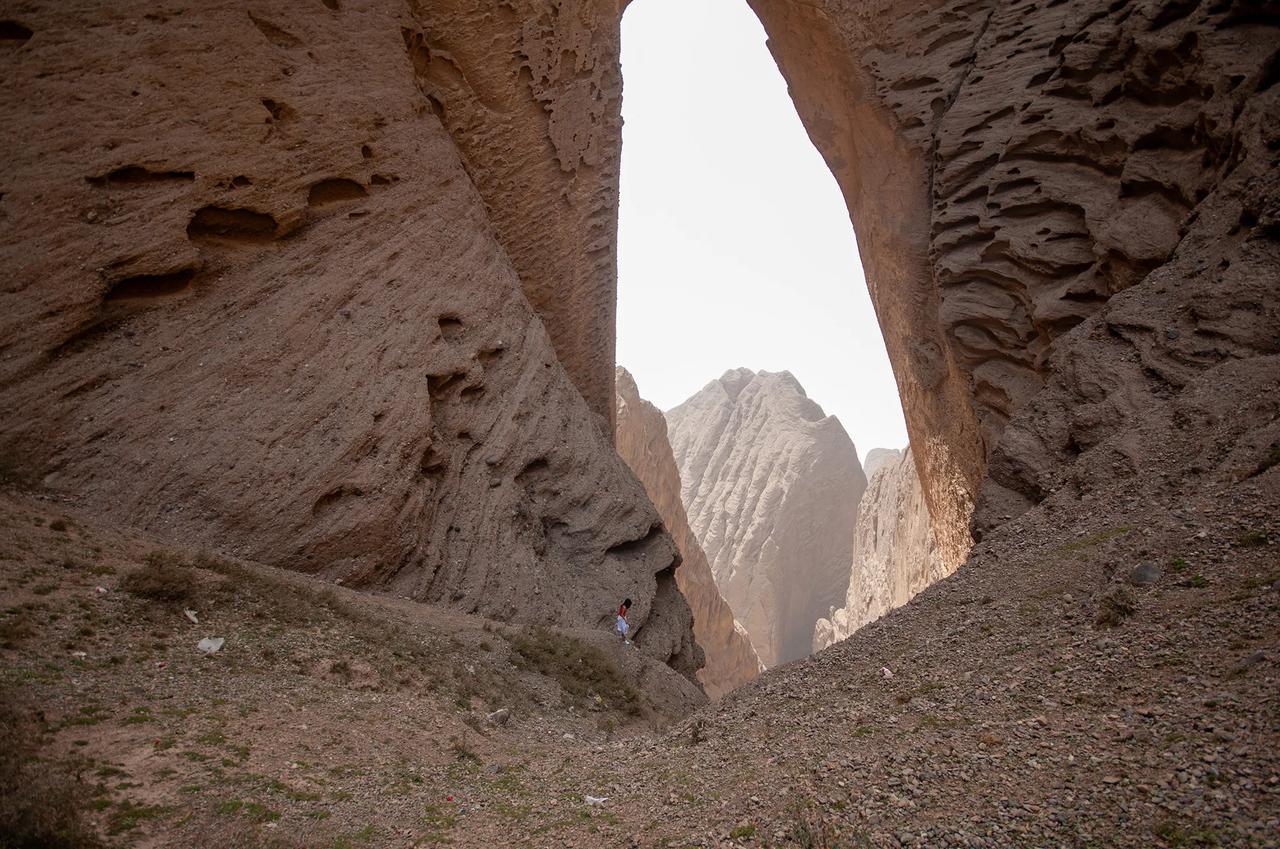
(1110,685)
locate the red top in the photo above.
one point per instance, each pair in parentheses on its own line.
(622,611)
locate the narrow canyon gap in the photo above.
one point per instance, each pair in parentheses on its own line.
(735,248)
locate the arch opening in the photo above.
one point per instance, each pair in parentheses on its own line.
(744,313)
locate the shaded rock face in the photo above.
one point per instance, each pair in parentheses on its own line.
(1061,212)
(642,442)
(771,486)
(895,554)
(277,277)
(256,302)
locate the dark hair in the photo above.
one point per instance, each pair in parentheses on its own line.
(626,603)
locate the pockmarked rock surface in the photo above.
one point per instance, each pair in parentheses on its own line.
(643,443)
(254,301)
(771,485)
(895,554)
(1066,213)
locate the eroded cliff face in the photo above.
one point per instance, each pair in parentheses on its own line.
(275,274)
(255,302)
(895,554)
(643,443)
(1010,169)
(771,485)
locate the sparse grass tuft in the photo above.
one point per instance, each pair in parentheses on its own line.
(164,577)
(1115,607)
(582,671)
(1178,836)
(1254,538)
(41,804)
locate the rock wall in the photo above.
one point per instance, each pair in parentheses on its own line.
(274,272)
(254,300)
(771,485)
(878,457)
(895,554)
(1012,167)
(642,442)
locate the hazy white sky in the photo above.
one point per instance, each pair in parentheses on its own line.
(735,247)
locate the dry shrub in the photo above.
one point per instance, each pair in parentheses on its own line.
(1115,607)
(581,670)
(41,804)
(163,577)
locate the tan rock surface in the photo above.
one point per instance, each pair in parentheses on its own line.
(877,457)
(895,554)
(643,443)
(253,301)
(771,485)
(1009,169)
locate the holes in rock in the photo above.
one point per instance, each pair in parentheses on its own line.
(636,547)
(332,4)
(220,224)
(432,462)
(489,357)
(145,286)
(240,181)
(279,111)
(472,392)
(333,496)
(451,327)
(534,471)
(335,190)
(12,31)
(438,385)
(366,151)
(132,175)
(379,180)
(277,35)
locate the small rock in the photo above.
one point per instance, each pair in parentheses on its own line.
(1144,574)
(500,716)
(209,645)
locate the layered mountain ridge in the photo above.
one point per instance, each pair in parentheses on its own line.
(642,442)
(895,554)
(771,486)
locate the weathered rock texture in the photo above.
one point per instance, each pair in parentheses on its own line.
(877,457)
(253,300)
(1010,168)
(771,486)
(272,270)
(643,443)
(895,554)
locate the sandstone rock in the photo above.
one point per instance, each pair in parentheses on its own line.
(256,303)
(771,485)
(642,442)
(877,457)
(243,243)
(895,554)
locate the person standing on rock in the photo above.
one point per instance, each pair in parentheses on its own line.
(623,628)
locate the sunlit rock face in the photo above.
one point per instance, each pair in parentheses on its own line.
(771,486)
(878,457)
(257,300)
(642,442)
(895,554)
